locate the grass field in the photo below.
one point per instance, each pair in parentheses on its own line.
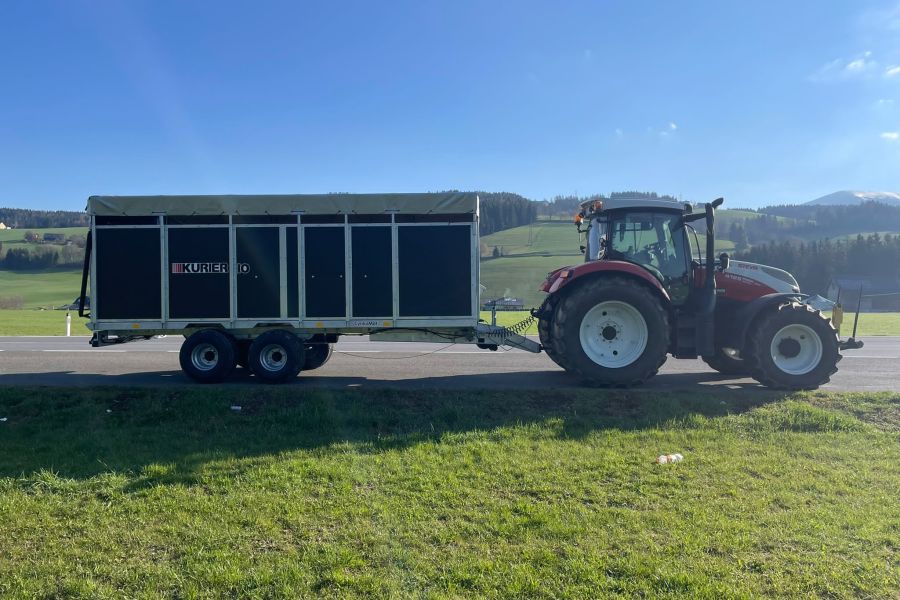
(40,322)
(169,493)
(14,238)
(48,288)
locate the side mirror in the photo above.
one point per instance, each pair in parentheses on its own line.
(724,261)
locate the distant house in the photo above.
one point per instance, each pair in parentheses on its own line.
(504,304)
(54,238)
(879,294)
(3,226)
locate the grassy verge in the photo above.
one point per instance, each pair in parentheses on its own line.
(112,493)
(40,322)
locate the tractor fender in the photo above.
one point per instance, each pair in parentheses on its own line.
(565,277)
(747,314)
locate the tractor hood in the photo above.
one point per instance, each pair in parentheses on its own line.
(745,281)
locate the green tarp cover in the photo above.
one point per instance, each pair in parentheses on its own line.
(314,204)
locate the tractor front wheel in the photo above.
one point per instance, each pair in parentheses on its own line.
(793,348)
(611,331)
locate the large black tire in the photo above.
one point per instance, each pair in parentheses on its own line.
(726,364)
(316,356)
(786,359)
(276,356)
(207,356)
(545,329)
(574,306)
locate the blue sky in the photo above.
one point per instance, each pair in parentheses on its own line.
(762,102)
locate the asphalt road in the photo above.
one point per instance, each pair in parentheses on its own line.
(359,363)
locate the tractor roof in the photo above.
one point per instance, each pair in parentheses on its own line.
(643,203)
(431,203)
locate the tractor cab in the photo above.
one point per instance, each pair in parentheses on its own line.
(650,233)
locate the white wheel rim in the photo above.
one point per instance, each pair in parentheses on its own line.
(204,357)
(613,334)
(796,349)
(273,357)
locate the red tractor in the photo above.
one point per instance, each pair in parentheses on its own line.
(642,293)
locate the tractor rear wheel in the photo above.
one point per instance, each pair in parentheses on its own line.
(725,363)
(793,348)
(611,331)
(545,333)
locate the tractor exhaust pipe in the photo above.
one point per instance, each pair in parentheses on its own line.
(706,333)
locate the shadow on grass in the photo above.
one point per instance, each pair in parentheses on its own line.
(83,432)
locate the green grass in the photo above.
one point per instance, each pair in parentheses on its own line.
(871,324)
(48,288)
(40,322)
(168,493)
(520,276)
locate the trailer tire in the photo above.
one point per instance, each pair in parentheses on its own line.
(635,335)
(316,356)
(207,356)
(545,329)
(793,348)
(726,364)
(276,356)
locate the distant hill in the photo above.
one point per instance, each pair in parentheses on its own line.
(851,198)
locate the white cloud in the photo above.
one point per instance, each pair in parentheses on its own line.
(884,102)
(892,71)
(890,136)
(673,126)
(842,69)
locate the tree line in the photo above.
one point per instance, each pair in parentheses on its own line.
(21,218)
(814,264)
(504,210)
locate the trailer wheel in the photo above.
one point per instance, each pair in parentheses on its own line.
(316,356)
(545,329)
(276,356)
(612,331)
(793,348)
(726,364)
(207,356)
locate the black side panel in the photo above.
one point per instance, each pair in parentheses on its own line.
(435,271)
(198,273)
(258,278)
(293,284)
(128,274)
(372,295)
(324,276)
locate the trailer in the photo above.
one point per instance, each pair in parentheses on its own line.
(270,282)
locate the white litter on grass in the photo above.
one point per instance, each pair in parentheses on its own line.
(235,408)
(109,410)
(665,459)
(3,420)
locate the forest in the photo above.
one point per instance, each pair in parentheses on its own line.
(814,263)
